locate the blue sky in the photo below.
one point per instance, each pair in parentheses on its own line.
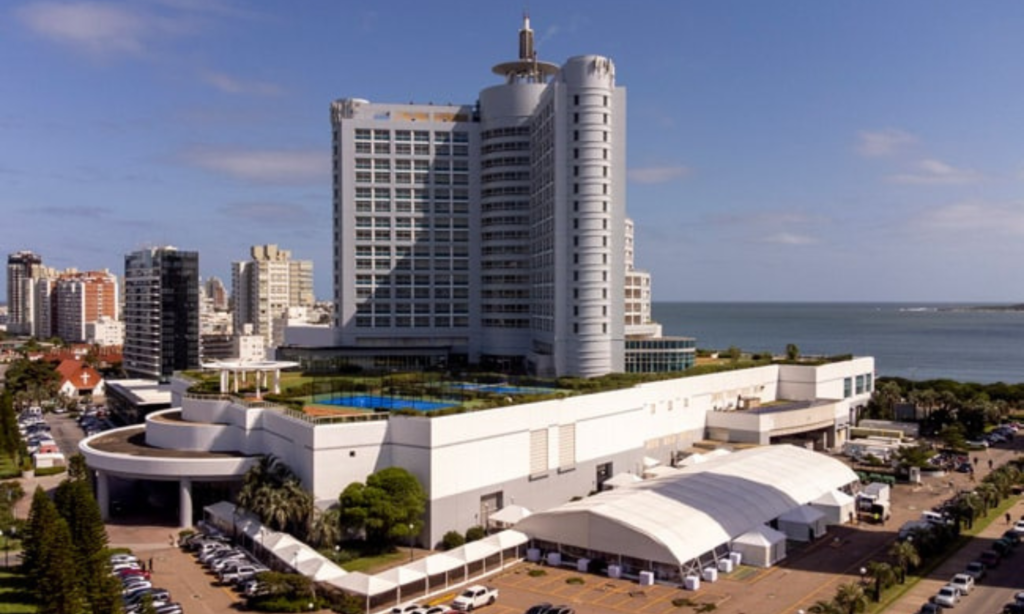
(784,150)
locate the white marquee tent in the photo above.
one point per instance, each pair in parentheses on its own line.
(677,519)
(761,546)
(803,524)
(837,506)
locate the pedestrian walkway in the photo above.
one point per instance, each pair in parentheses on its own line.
(923,591)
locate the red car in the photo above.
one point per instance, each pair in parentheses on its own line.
(127,573)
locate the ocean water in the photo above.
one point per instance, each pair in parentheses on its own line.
(912,340)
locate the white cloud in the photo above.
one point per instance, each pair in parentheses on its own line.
(230,85)
(883,143)
(658,174)
(789,238)
(95,27)
(936,172)
(974,219)
(265,166)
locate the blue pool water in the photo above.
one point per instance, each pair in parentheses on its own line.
(503,388)
(369,401)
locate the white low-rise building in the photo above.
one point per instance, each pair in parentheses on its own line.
(536,455)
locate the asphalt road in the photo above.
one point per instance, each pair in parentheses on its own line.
(65,431)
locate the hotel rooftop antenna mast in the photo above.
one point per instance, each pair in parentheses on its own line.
(527,69)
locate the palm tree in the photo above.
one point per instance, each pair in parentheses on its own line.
(324,527)
(884,576)
(905,556)
(989,495)
(823,606)
(851,599)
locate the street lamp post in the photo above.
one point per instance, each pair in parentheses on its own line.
(863,575)
(410,542)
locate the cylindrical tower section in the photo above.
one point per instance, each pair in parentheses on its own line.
(596,216)
(505,112)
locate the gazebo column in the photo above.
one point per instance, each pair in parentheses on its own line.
(223,381)
(185,503)
(259,384)
(103,494)
(277,381)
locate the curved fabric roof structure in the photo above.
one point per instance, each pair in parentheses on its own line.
(678,518)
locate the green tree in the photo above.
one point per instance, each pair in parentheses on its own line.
(77,469)
(953,437)
(850,598)
(823,606)
(10,439)
(384,509)
(77,506)
(905,557)
(883,575)
(324,529)
(792,351)
(733,353)
(48,556)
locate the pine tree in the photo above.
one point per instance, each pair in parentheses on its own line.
(58,589)
(78,507)
(9,436)
(49,557)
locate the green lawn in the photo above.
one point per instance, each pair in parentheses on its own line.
(8,468)
(371,564)
(14,597)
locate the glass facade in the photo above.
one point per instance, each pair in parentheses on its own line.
(660,354)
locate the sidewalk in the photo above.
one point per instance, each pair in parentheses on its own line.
(911,602)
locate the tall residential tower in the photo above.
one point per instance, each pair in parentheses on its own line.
(265,287)
(161,312)
(492,231)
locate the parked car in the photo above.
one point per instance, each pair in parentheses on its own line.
(409,608)
(1018,527)
(976,570)
(963,582)
(931,608)
(474,597)
(540,608)
(948,596)
(990,558)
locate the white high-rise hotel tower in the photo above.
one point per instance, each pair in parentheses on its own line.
(494,231)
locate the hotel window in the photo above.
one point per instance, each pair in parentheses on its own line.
(847,387)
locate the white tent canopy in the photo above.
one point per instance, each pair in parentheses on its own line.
(435,564)
(761,546)
(678,518)
(620,480)
(506,539)
(837,506)
(803,523)
(509,515)
(362,584)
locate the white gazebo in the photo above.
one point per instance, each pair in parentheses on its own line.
(233,372)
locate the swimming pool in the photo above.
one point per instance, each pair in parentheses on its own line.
(503,388)
(372,401)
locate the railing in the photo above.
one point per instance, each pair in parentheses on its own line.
(366,417)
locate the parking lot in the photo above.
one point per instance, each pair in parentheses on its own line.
(809,573)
